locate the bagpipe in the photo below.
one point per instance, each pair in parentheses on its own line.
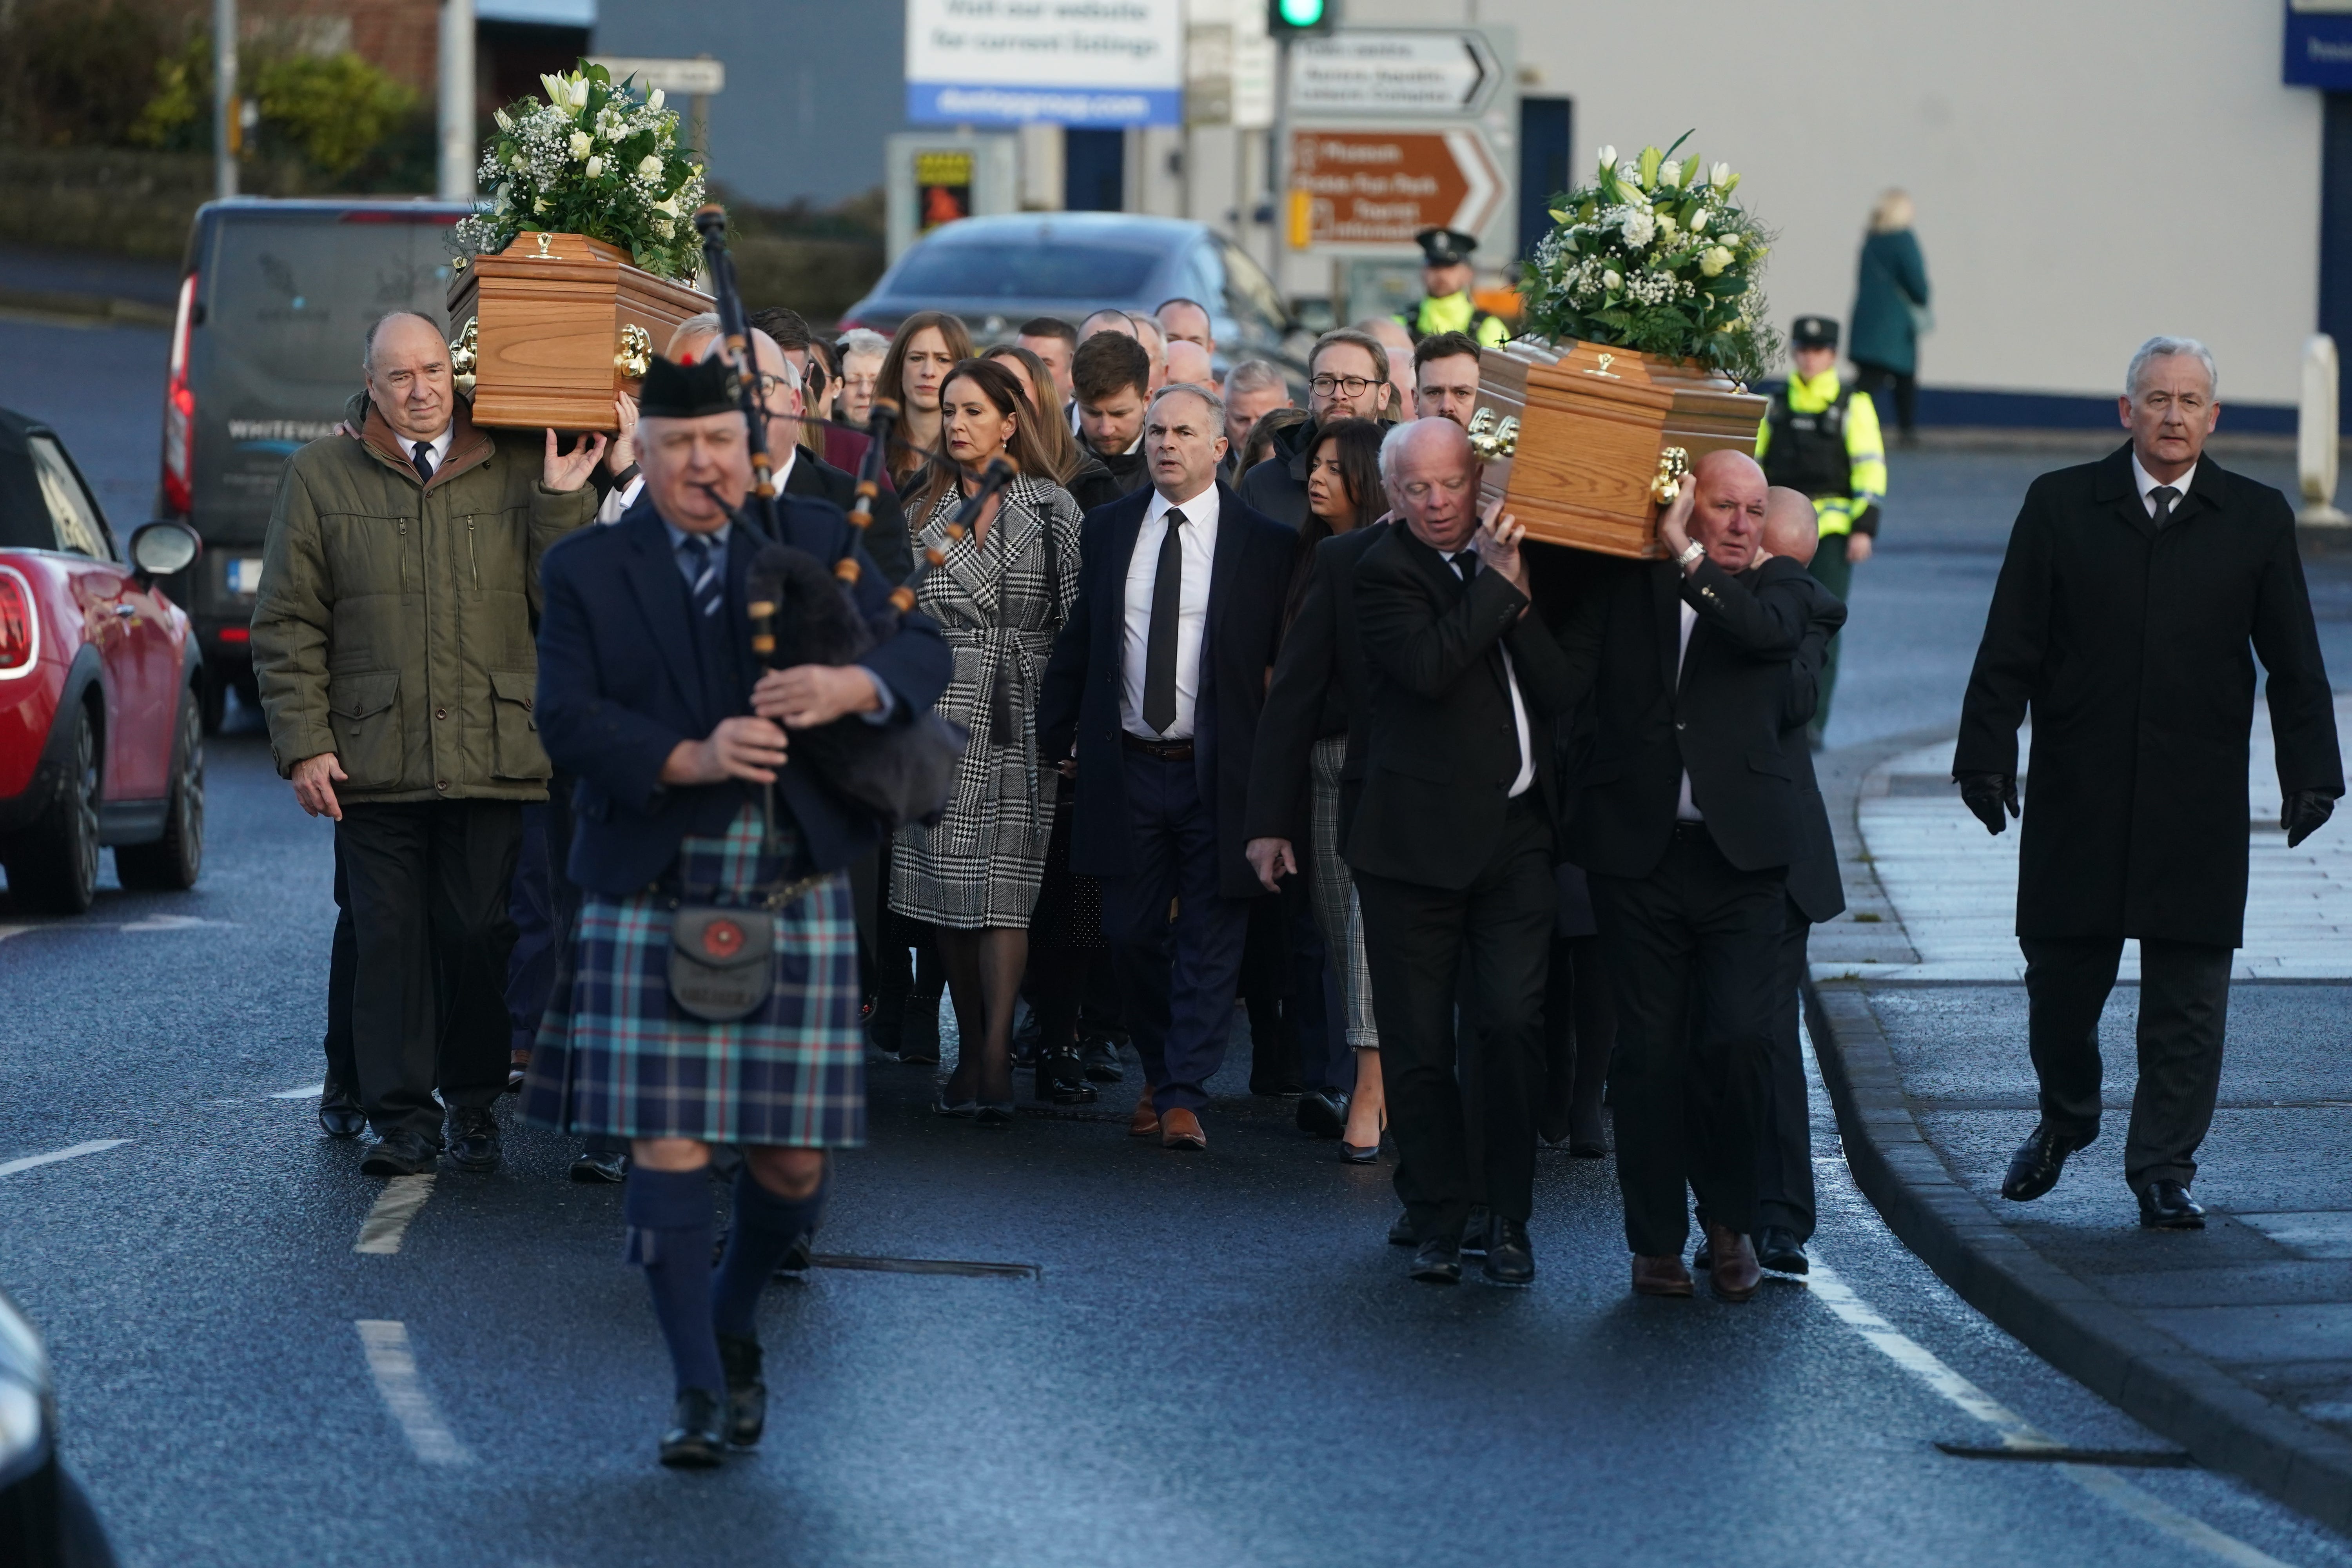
(803,611)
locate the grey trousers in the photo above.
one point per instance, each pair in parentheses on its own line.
(2184,1009)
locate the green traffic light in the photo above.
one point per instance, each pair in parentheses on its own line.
(1301,13)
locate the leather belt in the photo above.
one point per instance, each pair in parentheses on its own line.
(1684,830)
(1166,750)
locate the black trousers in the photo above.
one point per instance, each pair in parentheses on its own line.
(2184,1010)
(1488,943)
(1688,1096)
(428,883)
(1784,1152)
(1875,379)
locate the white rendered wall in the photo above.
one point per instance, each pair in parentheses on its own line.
(2087,172)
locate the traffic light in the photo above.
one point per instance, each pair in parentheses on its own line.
(1288,19)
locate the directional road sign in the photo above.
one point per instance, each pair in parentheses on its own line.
(1386,73)
(1381,188)
(677,77)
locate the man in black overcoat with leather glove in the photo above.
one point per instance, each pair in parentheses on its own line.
(2136,595)
(1686,820)
(1453,843)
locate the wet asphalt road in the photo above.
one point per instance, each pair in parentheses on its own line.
(1216,1358)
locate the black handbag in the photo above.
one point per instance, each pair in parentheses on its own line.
(896,772)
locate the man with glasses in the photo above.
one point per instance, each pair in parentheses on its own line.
(1348,378)
(2132,591)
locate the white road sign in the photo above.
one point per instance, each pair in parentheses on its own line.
(1386,73)
(688,78)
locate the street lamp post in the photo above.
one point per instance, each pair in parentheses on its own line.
(458,151)
(225,105)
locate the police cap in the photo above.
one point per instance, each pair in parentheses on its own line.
(674,391)
(1814,332)
(1446,247)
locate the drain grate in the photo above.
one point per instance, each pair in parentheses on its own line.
(927,1265)
(2117,1458)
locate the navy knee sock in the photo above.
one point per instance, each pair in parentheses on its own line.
(764,1228)
(669,1237)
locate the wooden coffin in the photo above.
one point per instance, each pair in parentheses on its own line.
(553,326)
(1574,442)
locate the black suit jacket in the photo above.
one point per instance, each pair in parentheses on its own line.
(1815,885)
(1320,687)
(1440,748)
(1078,714)
(885,536)
(1720,717)
(2135,651)
(620,685)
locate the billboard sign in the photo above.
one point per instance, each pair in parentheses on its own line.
(1067,62)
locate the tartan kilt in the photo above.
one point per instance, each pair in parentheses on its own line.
(615,1055)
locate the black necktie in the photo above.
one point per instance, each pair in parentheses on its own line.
(1467,564)
(2163,496)
(1160,648)
(423,458)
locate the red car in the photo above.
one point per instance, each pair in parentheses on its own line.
(100,689)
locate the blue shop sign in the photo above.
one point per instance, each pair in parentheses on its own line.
(2319,43)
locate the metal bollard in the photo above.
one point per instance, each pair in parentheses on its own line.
(2316,440)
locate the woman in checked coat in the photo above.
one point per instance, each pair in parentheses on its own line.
(999,593)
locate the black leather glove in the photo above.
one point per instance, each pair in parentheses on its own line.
(2306,813)
(1986,794)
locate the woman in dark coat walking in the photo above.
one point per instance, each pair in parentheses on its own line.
(2136,595)
(1890,310)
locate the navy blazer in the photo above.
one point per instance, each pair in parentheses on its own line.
(1078,714)
(619,687)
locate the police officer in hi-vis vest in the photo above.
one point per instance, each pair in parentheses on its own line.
(1444,305)
(1821,436)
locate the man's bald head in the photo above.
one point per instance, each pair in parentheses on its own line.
(1791,528)
(1189,364)
(1728,516)
(1431,478)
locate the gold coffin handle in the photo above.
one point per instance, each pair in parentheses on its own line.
(636,354)
(465,354)
(1673,464)
(1490,439)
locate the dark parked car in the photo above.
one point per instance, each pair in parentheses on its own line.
(45,1520)
(99,686)
(274,298)
(997,272)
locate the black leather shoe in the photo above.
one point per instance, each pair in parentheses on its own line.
(340,1115)
(1509,1260)
(473,1138)
(747,1397)
(1778,1249)
(403,1151)
(597,1165)
(1322,1114)
(2166,1205)
(2033,1169)
(1438,1261)
(1400,1233)
(1473,1230)
(696,1439)
(1101,1059)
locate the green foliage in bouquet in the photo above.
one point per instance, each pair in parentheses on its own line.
(1655,255)
(597,158)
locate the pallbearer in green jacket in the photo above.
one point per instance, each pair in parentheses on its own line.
(1821,436)
(1444,305)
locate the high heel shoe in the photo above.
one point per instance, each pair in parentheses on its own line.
(964,1107)
(995,1113)
(1363,1153)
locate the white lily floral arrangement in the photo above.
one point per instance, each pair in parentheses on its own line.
(597,158)
(1655,255)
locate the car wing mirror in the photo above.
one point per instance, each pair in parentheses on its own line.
(163,549)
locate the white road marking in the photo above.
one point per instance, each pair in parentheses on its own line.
(308,1092)
(1826,1286)
(99,1146)
(7,931)
(387,1222)
(169,923)
(393,1366)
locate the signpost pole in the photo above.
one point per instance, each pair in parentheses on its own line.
(456,101)
(225,104)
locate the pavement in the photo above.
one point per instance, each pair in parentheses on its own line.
(1053,1345)
(2235,1342)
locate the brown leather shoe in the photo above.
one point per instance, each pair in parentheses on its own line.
(1732,1271)
(1145,1122)
(1661,1276)
(1179,1128)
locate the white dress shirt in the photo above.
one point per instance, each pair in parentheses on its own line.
(1526,774)
(1199,541)
(1685,808)
(2147,483)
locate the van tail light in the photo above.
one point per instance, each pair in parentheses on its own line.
(180,412)
(20,632)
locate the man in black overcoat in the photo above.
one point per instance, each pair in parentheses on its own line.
(2136,595)
(1686,820)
